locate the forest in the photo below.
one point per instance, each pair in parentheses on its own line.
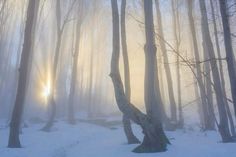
(112,78)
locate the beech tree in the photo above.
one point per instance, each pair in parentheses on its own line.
(14,141)
(155,139)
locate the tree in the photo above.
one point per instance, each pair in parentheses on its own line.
(228,50)
(59,31)
(199,78)
(176,28)
(217,44)
(75,57)
(14,141)
(155,139)
(173,108)
(223,123)
(126,122)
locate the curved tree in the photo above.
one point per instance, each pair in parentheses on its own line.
(155,139)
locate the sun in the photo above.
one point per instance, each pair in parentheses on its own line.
(46,90)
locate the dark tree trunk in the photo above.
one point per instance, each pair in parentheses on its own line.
(155,139)
(126,122)
(221,69)
(14,141)
(223,124)
(229,50)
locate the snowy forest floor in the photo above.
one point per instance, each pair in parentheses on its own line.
(98,139)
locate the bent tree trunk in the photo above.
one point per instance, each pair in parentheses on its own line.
(14,141)
(126,122)
(155,139)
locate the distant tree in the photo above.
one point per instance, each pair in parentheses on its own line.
(173,108)
(177,37)
(14,141)
(202,91)
(60,24)
(75,57)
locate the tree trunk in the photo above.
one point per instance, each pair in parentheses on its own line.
(155,139)
(199,78)
(223,124)
(221,69)
(176,24)
(229,50)
(71,116)
(173,108)
(52,103)
(126,122)
(14,141)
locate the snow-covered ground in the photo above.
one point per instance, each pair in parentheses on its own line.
(89,140)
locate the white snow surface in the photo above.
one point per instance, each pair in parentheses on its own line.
(89,140)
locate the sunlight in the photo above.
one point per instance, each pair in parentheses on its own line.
(46,90)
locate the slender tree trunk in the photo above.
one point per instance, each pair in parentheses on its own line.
(173,107)
(199,78)
(155,139)
(71,116)
(208,89)
(14,141)
(176,24)
(223,124)
(229,50)
(51,99)
(126,122)
(221,69)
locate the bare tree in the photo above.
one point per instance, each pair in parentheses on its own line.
(155,139)
(14,141)
(75,56)
(217,44)
(60,23)
(229,50)
(198,67)
(173,107)
(223,124)
(177,36)
(126,122)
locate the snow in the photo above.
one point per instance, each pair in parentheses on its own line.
(89,140)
